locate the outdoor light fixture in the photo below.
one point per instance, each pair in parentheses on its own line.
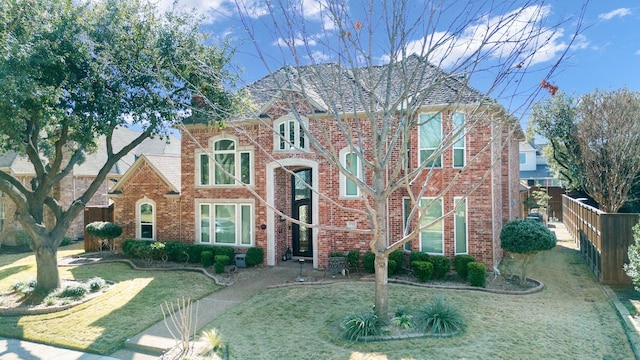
(301,262)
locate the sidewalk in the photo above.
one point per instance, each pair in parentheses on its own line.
(13,349)
(154,341)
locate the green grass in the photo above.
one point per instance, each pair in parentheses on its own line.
(569,319)
(103,324)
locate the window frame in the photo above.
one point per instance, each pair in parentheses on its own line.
(456,199)
(437,162)
(298,141)
(459,142)
(240,153)
(344,180)
(422,231)
(139,232)
(242,230)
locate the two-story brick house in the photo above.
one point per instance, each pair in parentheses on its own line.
(279,175)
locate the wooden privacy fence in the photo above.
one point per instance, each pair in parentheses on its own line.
(91,214)
(603,239)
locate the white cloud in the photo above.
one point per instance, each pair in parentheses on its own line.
(615,13)
(518,33)
(299,40)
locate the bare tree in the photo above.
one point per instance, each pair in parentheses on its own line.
(398,71)
(608,132)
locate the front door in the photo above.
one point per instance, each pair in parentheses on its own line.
(301,210)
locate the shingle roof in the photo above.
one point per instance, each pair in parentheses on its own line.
(166,166)
(19,165)
(332,85)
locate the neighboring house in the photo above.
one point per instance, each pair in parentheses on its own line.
(534,170)
(82,175)
(272,167)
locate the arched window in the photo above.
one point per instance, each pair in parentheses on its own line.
(146,219)
(290,134)
(225,162)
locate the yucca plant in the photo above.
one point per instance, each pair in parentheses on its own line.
(212,341)
(441,318)
(360,325)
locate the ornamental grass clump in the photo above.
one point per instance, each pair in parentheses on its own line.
(440,318)
(361,325)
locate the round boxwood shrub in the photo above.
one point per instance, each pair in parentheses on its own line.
(441,265)
(476,274)
(224,250)
(423,270)
(353,257)
(392,267)
(460,264)
(206,258)
(177,251)
(255,256)
(526,238)
(398,257)
(220,262)
(418,256)
(368,260)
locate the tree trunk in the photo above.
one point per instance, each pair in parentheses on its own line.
(48,277)
(523,268)
(382,288)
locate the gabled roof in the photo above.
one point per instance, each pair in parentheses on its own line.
(166,166)
(19,165)
(324,83)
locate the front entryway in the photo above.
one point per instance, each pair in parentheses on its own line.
(301,196)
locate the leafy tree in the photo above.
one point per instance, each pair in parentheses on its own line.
(72,72)
(104,230)
(525,238)
(335,62)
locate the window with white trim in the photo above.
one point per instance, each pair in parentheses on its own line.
(225,224)
(352,163)
(226,163)
(289,134)
(460,225)
(432,237)
(459,143)
(146,219)
(430,138)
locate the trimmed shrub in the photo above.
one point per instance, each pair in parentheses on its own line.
(368,260)
(477,273)
(460,264)
(220,262)
(423,270)
(359,325)
(96,284)
(104,229)
(255,256)
(224,250)
(73,291)
(353,257)
(398,257)
(525,238)
(206,258)
(441,318)
(392,267)
(418,256)
(22,238)
(65,241)
(336,254)
(194,252)
(136,248)
(177,251)
(441,265)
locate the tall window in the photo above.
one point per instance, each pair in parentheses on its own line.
(224,165)
(290,135)
(430,138)
(226,224)
(460,225)
(146,220)
(352,164)
(431,238)
(459,143)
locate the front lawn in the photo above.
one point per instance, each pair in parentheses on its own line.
(570,319)
(103,324)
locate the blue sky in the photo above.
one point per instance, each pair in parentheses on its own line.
(604,55)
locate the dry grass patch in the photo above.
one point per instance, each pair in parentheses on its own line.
(570,319)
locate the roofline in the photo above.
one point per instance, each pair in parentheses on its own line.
(133,168)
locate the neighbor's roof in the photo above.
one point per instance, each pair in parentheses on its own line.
(332,85)
(20,165)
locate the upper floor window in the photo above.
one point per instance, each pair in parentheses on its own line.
(290,135)
(459,143)
(351,162)
(430,138)
(523,158)
(228,165)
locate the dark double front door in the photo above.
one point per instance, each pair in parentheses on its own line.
(301,240)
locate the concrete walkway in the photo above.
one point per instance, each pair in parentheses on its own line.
(157,339)
(13,349)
